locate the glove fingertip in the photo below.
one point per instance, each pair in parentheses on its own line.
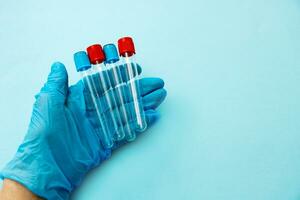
(57,66)
(149,85)
(58,72)
(151,117)
(154,99)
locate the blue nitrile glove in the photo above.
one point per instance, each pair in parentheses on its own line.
(61,146)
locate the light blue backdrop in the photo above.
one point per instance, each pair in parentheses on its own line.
(230,127)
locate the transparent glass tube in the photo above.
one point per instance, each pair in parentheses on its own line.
(109,99)
(119,91)
(132,78)
(90,85)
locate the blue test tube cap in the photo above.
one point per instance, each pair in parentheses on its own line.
(82,61)
(111,53)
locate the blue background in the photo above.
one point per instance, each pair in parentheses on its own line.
(230,127)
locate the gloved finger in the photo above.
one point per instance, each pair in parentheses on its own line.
(120,74)
(122,112)
(148,85)
(122,94)
(136,69)
(57,82)
(151,116)
(113,120)
(154,99)
(107,79)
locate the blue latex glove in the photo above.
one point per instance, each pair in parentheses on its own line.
(61,145)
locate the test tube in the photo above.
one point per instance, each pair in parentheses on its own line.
(116,81)
(127,53)
(96,56)
(83,66)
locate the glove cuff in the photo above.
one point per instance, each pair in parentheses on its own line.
(48,182)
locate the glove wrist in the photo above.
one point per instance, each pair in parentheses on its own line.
(50,185)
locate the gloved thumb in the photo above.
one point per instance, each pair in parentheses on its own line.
(57,82)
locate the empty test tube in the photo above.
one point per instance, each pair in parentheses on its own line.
(96,56)
(127,52)
(83,66)
(116,81)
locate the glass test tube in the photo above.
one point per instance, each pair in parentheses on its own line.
(127,52)
(83,66)
(97,57)
(116,81)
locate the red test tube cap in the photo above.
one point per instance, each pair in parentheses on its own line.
(95,53)
(126,45)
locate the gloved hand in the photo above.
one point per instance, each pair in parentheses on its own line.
(61,145)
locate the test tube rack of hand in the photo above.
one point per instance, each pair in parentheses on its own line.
(112,91)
